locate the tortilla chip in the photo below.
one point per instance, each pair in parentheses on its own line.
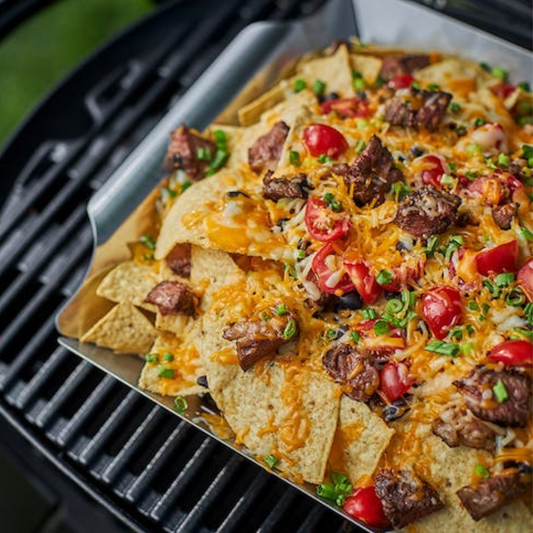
(123,329)
(186,366)
(205,215)
(334,70)
(290,109)
(129,282)
(360,439)
(368,66)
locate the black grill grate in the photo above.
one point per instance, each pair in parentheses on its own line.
(138,460)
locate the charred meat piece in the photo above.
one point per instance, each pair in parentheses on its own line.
(492,494)
(395,64)
(372,173)
(344,364)
(457,428)
(422,109)
(172,297)
(285,187)
(478,391)
(264,154)
(256,339)
(179,260)
(183,152)
(427,211)
(503,214)
(405,497)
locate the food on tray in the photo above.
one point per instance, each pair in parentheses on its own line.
(348,274)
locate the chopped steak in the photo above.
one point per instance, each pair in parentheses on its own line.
(427,211)
(456,427)
(349,367)
(405,497)
(172,297)
(492,494)
(183,153)
(372,173)
(395,64)
(256,339)
(477,389)
(503,214)
(421,109)
(285,187)
(264,154)
(179,260)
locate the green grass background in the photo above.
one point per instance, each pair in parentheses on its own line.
(42,50)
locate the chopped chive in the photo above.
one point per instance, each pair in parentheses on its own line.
(355,337)
(515,298)
(331,202)
(369,313)
(300,254)
(319,87)
(470,329)
(451,167)
(482,471)
(163,372)
(299,85)
(485,308)
(500,391)
(148,241)
(180,404)
(394,306)
(504,280)
(443,348)
(456,333)
(473,306)
(168,357)
(271,461)
(324,159)
(290,329)
(294,158)
(479,122)
(281,309)
(381,327)
(220,139)
(400,190)
(455,107)
(433,87)
(331,334)
(151,358)
(384,277)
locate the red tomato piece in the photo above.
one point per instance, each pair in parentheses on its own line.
(329,272)
(364,505)
(504,90)
(395,380)
(442,310)
(346,107)
(322,223)
(400,276)
(525,279)
(365,283)
(321,139)
(503,258)
(401,81)
(432,171)
(513,353)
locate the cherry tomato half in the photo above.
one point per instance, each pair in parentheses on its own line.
(499,259)
(329,272)
(433,170)
(364,505)
(441,307)
(394,380)
(365,283)
(504,90)
(322,223)
(346,107)
(401,81)
(513,353)
(321,139)
(525,279)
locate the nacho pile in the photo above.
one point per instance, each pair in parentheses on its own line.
(348,274)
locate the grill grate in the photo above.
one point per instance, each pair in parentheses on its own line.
(146,466)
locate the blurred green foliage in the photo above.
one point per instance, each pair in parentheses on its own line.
(40,52)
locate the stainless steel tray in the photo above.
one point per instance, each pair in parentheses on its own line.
(252,63)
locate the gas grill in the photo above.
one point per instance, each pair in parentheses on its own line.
(148,468)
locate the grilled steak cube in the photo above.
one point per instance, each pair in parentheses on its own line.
(478,391)
(265,153)
(172,297)
(394,64)
(179,260)
(427,211)
(503,214)
(492,494)
(405,497)
(183,152)
(286,187)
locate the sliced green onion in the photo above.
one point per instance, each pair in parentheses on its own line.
(180,404)
(400,190)
(163,372)
(490,163)
(151,358)
(294,158)
(326,491)
(148,241)
(355,337)
(479,122)
(359,84)
(394,306)
(220,139)
(369,313)
(433,87)
(526,233)
(415,85)
(331,334)
(482,471)
(384,277)
(473,306)
(360,146)
(524,85)
(515,298)
(299,85)
(455,107)
(452,167)
(204,154)
(300,254)
(504,160)
(456,333)
(472,149)
(290,329)
(461,130)
(485,308)
(443,348)
(467,348)
(493,289)
(504,280)
(380,81)
(281,309)
(185,185)
(527,151)
(485,66)
(265,316)
(499,72)
(500,391)
(319,87)
(520,333)
(271,461)
(381,327)
(168,357)
(331,202)
(522,121)
(324,159)
(470,329)
(291,271)
(356,74)
(471,175)
(528,312)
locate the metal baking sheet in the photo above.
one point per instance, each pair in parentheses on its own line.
(250,64)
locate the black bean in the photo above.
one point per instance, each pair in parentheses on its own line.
(330,96)
(202,381)
(391,295)
(233,194)
(400,246)
(416,151)
(350,300)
